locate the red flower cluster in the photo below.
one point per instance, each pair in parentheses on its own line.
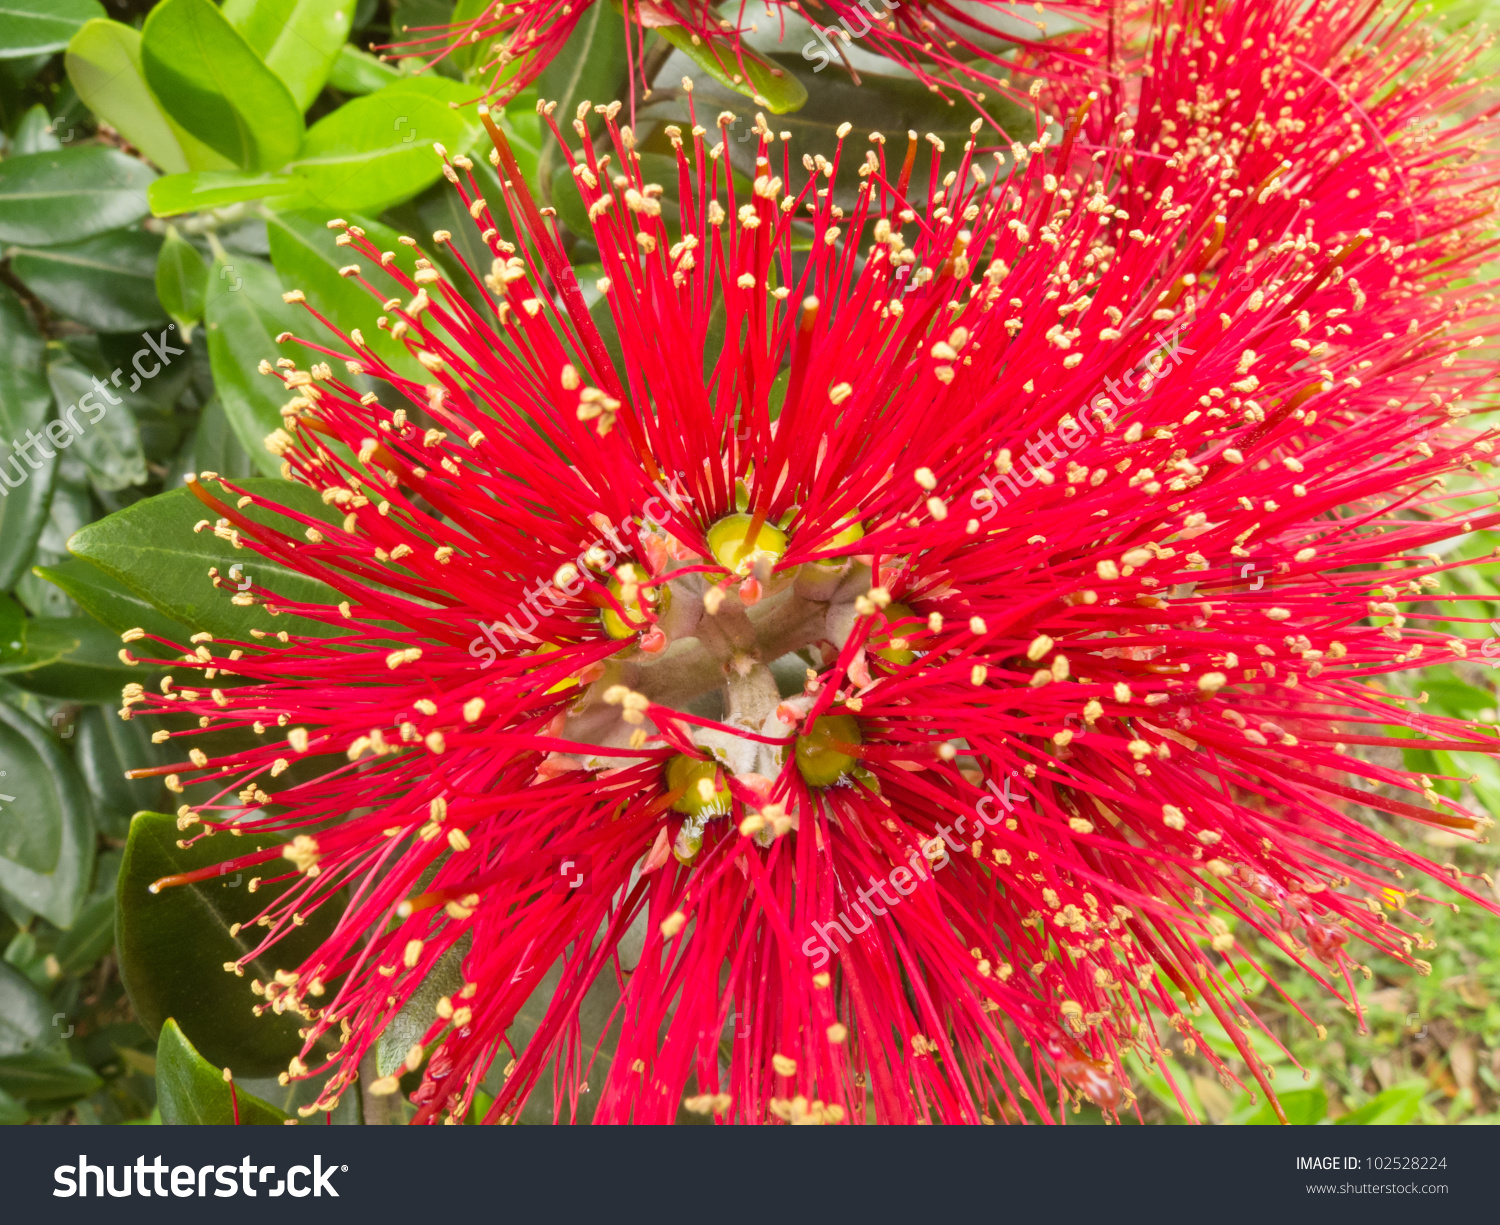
(915,639)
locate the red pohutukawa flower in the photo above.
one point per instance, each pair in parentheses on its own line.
(967,49)
(921,640)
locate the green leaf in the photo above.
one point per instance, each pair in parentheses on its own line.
(152,549)
(590,68)
(189,1089)
(48,796)
(12,1113)
(25,405)
(298,40)
(111,602)
(204,189)
(1397,1106)
(104,64)
(770,85)
(90,672)
(181,280)
(42,644)
(34,133)
(38,27)
(46,1076)
(92,935)
(406,1028)
(307,258)
(375,151)
(213,84)
(212,447)
(359,72)
(107,746)
(49,198)
(173,945)
(110,445)
(243,315)
(108,282)
(25,1015)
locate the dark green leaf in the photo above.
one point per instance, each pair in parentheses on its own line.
(25,1015)
(41,645)
(108,282)
(213,84)
(359,72)
(47,796)
(590,68)
(90,672)
(212,447)
(769,84)
(181,280)
(110,445)
(173,945)
(92,935)
(298,39)
(104,64)
(243,315)
(46,1076)
(189,1089)
(111,602)
(36,27)
(204,189)
(107,746)
(152,549)
(377,150)
(25,405)
(61,197)
(306,257)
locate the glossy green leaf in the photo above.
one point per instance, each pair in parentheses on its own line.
(1397,1106)
(104,65)
(47,795)
(181,280)
(25,1015)
(212,82)
(770,85)
(243,314)
(105,746)
(72,194)
(25,405)
(42,644)
(377,150)
(359,72)
(298,40)
(109,443)
(152,549)
(107,282)
(305,254)
(173,945)
(47,1075)
(189,1089)
(173,194)
(38,27)
(90,672)
(111,602)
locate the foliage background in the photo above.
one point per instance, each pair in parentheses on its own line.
(115,221)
